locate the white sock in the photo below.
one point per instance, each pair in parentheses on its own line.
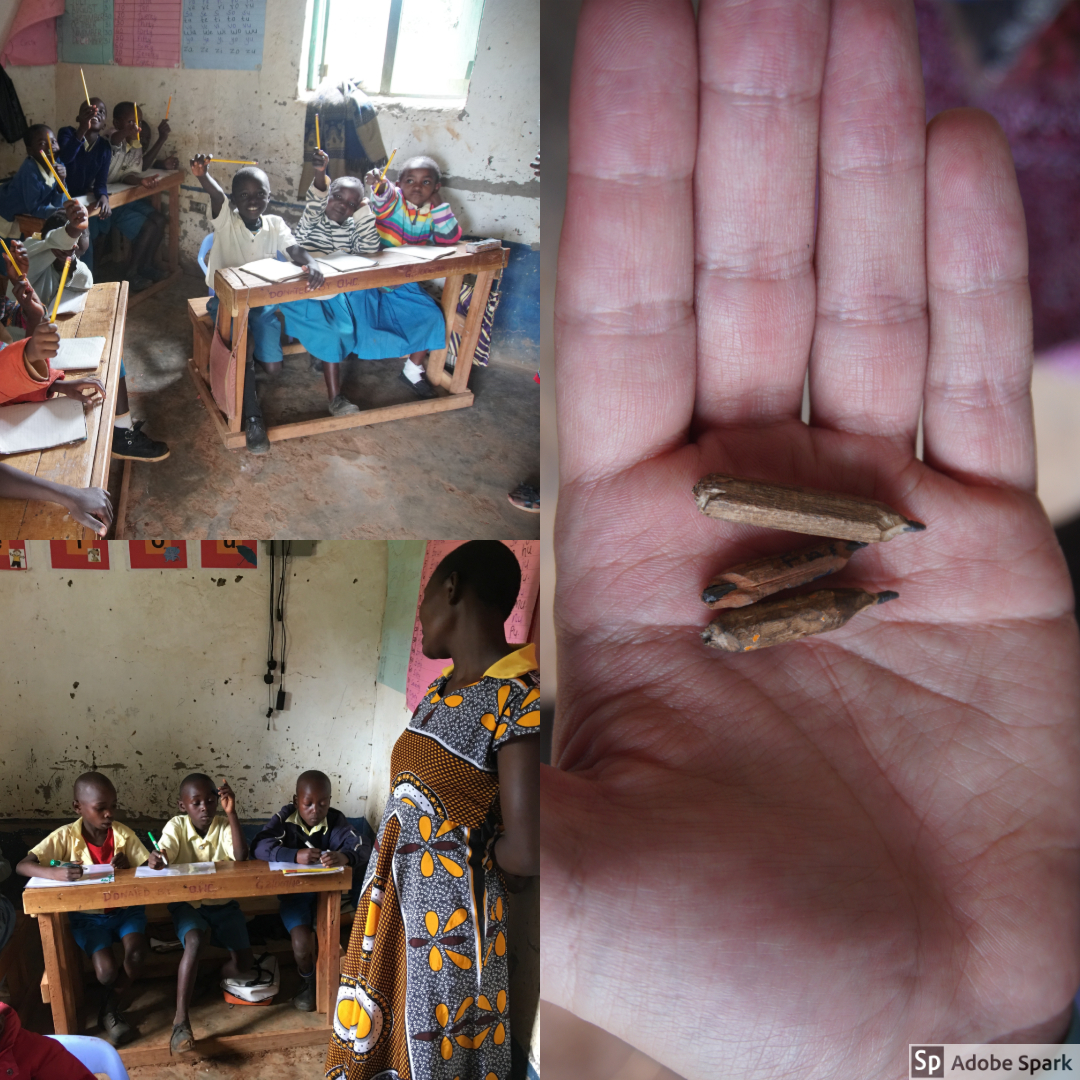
(413,372)
(122,421)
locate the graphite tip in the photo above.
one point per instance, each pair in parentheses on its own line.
(886,596)
(915,526)
(717,591)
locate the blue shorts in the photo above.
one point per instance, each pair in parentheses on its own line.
(297,909)
(226,923)
(95,932)
(127,219)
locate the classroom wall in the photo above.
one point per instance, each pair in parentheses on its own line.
(151,674)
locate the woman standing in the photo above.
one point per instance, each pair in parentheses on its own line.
(424,991)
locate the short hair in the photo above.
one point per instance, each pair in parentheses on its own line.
(314,777)
(421,161)
(489,569)
(31,134)
(346,181)
(93,780)
(53,221)
(197,778)
(122,107)
(249,172)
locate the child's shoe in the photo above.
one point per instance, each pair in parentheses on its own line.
(342,406)
(183,1038)
(421,388)
(258,442)
(132,443)
(114,1028)
(305,999)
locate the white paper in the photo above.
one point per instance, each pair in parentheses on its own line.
(41,425)
(298,868)
(180,870)
(273,269)
(79,353)
(343,262)
(97,874)
(74,300)
(422,252)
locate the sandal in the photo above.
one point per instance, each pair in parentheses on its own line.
(525,497)
(183,1039)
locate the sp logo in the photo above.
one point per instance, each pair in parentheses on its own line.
(928,1061)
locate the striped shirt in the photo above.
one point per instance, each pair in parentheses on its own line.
(316,232)
(399,222)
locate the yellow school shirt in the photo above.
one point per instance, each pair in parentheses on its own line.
(296,819)
(181,843)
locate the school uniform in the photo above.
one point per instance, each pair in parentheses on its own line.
(180,842)
(87,163)
(32,190)
(43,273)
(129,218)
(97,929)
(283,837)
(24,380)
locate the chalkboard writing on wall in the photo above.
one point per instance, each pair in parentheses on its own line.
(224,34)
(85,32)
(146,33)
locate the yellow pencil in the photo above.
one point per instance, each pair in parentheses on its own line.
(59,181)
(317,145)
(85,91)
(387,165)
(168,107)
(60,290)
(11,259)
(230,161)
(52,157)
(136,104)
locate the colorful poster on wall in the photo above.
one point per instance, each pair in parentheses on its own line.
(89,553)
(230,554)
(422,671)
(85,31)
(158,554)
(224,34)
(13,555)
(146,33)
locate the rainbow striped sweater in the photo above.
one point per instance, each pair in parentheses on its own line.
(399,222)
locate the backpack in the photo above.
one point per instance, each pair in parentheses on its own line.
(12,119)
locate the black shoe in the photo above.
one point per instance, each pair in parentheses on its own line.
(421,389)
(305,1000)
(255,434)
(131,444)
(114,1028)
(342,406)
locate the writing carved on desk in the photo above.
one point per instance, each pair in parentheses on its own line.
(130,892)
(208,887)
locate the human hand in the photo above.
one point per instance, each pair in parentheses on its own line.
(87,114)
(226,798)
(315,277)
(60,167)
(371,179)
(150,181)
(867,838)
(156,861)
(334,858)
(200,164)
(93,508)
(63,873)
(164,130)
(104,210)
(21,260)
(32,308)
(307,856)
(120,861)
(172,162)
(320,159)
(76,214)
(88,391)
(43,343)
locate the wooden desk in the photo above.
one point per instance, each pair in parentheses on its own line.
(238,292)
(231,881)
(84,464)
(121,195)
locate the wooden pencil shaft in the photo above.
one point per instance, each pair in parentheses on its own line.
(136,104)
(382,175)
(230,161)
(168,107)
(799,509)
(60,289)
(788,618)
(59,181)
(85,91)
(752,581)
(318,144)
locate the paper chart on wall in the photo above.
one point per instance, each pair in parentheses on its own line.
(223,34)
(422,671)
(85,32)
(146,33)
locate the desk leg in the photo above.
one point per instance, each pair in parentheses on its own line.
(459,381)
(328,966)
(240,350)
(174,229)
(61,978)
(436,361)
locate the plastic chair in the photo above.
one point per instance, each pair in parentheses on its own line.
(204,250)
(96,1054)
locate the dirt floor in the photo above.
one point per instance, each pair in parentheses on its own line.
(445,475)
(300,1064)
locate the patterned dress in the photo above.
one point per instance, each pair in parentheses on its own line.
(423,992)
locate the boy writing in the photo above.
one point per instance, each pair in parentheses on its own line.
(33,189)
(244,232)
(308,831)
(95,838)
(404,319)
(200,833)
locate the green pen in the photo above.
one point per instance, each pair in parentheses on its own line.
(156,848)
(57,862)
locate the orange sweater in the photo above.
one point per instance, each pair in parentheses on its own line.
(21,380)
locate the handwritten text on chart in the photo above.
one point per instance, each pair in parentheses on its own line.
(224,34)
(146,33)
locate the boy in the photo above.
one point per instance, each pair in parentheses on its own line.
(95,838)
(331,222)
(306,831)
(243,232)
(87,155)
(201,834)
(33,189)
(404,317)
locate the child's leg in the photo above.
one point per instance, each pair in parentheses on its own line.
(129,441)
(189,968)
(147,243)
(303,948)
(136,949)
(240,965)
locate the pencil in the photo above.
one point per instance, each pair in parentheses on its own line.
(58,862)
(799,509)
(85,91)
(168,107)
(59,181)
(136,104)
(752,581)
(7,252)
(382,175)
(156,848)
(60,290)
(317,145)
(231,161)
(788,618)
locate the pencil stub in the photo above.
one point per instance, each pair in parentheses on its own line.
(799,509)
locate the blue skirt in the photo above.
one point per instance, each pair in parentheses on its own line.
(323,327)
(395,323)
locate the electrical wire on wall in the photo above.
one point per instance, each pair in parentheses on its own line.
(279,576)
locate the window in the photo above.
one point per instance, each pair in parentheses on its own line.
(403,48)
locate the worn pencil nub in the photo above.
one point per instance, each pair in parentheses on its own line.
(799,509)
(752,581)
(789,618)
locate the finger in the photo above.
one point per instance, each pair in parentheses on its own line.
(868,361)
(977,420)
(624,317)
(761,72)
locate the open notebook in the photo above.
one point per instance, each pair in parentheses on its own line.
(273,270)
(419,252)
(97,874)
(41,425)
(79,354)
(343,262)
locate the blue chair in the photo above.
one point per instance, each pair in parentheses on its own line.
(204,250)
(96,1054)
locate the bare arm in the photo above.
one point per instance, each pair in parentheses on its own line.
(30,867)
(88,506)
(302,257)
(228,804)
(200,169)
(517,851)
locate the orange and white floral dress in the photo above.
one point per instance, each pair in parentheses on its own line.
(424,989)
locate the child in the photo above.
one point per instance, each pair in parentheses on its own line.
(88,506)
(243,232)
(138,221)
(26,1055)
(395,320)
(33,189)
(95,838)
(87,155)
(201,834)
(330,223)
(306,831)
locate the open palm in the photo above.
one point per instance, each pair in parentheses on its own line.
(796,861)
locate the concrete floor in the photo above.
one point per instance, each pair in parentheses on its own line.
(441,476)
